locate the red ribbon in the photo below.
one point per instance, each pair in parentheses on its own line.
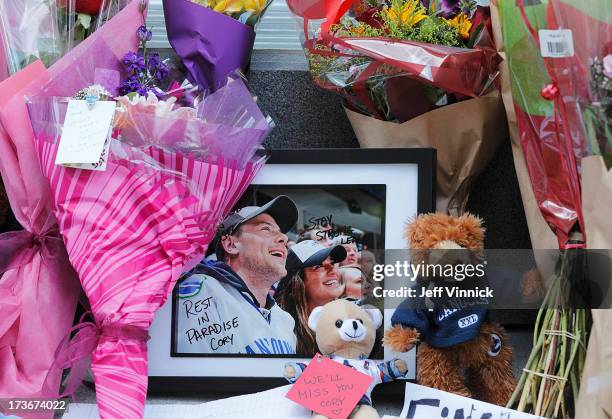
(74,353)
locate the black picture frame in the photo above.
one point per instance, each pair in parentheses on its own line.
(425,161)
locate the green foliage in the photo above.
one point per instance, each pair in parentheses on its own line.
(435,30)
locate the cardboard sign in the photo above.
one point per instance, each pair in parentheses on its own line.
(329,388)
(85,133)
(428,403)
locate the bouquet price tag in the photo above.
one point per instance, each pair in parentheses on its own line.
(85,137)
(556,43)
(329,388)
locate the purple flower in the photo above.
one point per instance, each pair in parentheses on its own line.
(144,34)
(133,61)
(160,94)
(154,60)
(131,84)
(607,65)
(449,8)
(162,71)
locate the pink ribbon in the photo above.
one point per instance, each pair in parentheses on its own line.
(73,353)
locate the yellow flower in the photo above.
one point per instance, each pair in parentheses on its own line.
(234,6)
(406,12)
(462,23)
(229,6)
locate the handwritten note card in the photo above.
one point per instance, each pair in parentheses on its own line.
(428,403)
(329,388)
(85,132)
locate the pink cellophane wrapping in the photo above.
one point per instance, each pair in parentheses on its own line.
(38,287)
(130,236)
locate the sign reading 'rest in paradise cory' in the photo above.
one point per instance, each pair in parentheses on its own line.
(428,403)
(329,388)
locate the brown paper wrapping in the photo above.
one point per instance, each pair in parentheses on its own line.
(596,183)
(465,134)
(595,400)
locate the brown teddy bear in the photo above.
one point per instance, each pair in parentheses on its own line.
(345,333)
(452,339)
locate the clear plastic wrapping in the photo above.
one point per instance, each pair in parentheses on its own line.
(30,31)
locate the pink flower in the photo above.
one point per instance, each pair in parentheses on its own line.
(607,64)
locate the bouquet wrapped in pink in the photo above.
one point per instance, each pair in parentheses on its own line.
(168,175)
(39,287)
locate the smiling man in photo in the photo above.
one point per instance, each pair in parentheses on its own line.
(225,306)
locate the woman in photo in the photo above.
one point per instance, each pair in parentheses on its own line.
(350,271)
(312,280)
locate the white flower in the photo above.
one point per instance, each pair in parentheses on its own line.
(160,108)
(607,65)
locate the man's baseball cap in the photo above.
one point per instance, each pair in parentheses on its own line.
(310,253)
(282,209)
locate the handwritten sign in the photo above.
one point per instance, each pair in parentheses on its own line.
(85,132)
(215,332)
(325,229)
(329,388)
(428,403)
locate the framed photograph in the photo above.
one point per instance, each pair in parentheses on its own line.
(307,231)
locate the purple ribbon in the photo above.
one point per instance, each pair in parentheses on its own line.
(74,352)
(17,248)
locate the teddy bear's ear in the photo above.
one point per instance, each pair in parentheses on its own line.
(376,316)
(313,319)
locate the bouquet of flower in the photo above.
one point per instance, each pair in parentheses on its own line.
(555,53)
(407,71)
(213,38)
(35,273)
(146,212)
(47,29)
(378,51)
(248,12)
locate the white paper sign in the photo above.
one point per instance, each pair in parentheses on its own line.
(556,43)
(101,164)
(85,132)
(428,403)
(263,405)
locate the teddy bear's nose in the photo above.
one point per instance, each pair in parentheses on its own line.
(355,325)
